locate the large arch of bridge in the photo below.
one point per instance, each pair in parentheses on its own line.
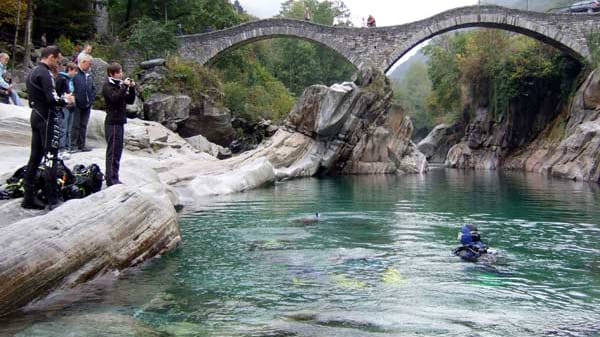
(548,35)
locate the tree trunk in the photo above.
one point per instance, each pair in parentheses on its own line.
(128,12)
(27,59)
(14,51)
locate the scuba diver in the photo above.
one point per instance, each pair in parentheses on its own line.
(472,247)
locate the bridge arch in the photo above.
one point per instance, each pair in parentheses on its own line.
(382,47)
(553,29)
(206,47)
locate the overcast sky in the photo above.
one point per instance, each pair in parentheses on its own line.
(386,12)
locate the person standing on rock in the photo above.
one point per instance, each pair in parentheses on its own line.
(64,84)
(44,102)
(85,95)
(87,50)
(117,94)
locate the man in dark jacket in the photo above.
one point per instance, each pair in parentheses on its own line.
(85,94)
(117,94)
(43,101)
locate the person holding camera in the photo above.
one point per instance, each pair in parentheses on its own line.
(117,94)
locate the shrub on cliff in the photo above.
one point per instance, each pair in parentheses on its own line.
(492,68)
(193,79)
(152,38)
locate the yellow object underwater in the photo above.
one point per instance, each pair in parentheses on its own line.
(348,283)
(297,282)
(393,277)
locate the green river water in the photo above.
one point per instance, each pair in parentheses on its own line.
(378,263)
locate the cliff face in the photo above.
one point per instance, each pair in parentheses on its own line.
(569,147)
(345,129)
(490,138)
(540,133)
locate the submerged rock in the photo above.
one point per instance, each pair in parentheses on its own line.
(110,230)
(101,324)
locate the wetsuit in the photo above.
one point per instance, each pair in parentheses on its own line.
(44,103)
(472,247)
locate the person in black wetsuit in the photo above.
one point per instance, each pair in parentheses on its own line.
(472,248)
(44,102)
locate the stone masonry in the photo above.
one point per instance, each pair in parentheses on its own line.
(382,47)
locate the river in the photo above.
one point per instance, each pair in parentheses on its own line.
(377,263)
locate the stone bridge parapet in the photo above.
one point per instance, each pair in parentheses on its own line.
(383,46)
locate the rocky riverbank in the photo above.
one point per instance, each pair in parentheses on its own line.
(346,129)
(542,134)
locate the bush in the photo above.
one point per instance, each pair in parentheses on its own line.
(152,38)
(114,51)
(193,79)
(67,47)
(594,45)
(270,100)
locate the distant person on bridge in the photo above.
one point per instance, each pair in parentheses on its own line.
(307,14)
(371,21)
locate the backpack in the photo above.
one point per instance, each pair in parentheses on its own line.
(87,180)
(76,184)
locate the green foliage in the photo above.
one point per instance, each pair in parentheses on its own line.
(194,16)
(152,38)
(299,64)
(111,51)
(594,45)
(71,18)
(444,74)
(251,91)
(193,79)
(412,94)
(67,47)
(9,11)
(492,68)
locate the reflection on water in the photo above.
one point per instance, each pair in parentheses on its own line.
(378,263)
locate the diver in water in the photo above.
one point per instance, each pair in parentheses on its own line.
(472,247)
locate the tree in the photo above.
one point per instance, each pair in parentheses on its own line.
(412,93)
(238,7)
(29,19)
(9,11)
(195,16)
(492,68)
(152,38)
(299,64)
(74,19)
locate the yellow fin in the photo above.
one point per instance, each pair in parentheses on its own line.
(348,283)
(393,277)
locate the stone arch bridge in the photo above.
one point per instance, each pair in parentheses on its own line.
(382,47)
